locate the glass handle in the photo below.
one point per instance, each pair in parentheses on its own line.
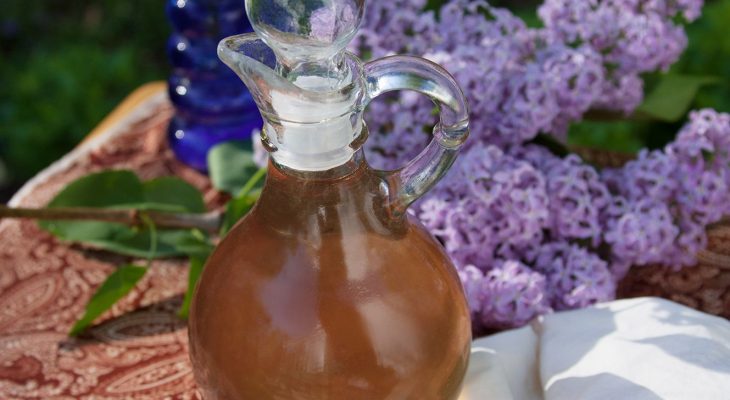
(413,73)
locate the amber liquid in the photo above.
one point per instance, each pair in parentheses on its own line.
(321,293)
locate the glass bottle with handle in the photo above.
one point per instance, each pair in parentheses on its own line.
(328,288)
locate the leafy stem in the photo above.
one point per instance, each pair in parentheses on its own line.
(153,238)
(252,182)
(210,222)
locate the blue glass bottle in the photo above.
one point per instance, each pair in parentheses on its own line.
(210,104)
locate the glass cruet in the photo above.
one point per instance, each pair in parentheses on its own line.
(328,289)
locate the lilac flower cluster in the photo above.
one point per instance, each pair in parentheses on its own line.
(494,205)
(577,196)
(632,36)
(668,197)
(515,80)
(521,81)
(507,219)
(409,117)
(510,294)
(531,232)
(576,278)
(525,211)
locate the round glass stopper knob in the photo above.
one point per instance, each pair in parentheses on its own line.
(305,31)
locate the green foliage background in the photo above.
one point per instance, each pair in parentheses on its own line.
(65,64)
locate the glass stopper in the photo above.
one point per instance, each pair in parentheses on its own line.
(306,32)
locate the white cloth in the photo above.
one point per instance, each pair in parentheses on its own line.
(638,349)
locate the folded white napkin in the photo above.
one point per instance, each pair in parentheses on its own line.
(639,349)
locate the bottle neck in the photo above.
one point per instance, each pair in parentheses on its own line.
(307,204)
(291,197)
(315,121)
(354,164)
(317,148)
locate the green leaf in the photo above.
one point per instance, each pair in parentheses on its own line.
(123,190)
(673,96)
(242,203)
(107,189)
(236,209)
(198,247)
(154,239)
(171,191)
(196,268)
(88,231)
(103,189)
(138,243)
(231,165)
(621,136)
(195,244)
(116,286)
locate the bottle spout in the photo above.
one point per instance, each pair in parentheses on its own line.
(308,125)
(308,99)
(309,90)
(255,63)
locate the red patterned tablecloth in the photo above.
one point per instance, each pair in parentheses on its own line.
(138,349)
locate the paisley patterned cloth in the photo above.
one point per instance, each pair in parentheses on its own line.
(138,350)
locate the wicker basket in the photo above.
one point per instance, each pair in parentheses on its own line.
(704,287)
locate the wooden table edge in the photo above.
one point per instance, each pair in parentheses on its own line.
(138,96)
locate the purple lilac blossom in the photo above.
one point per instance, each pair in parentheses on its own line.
(705,142)
(642,233)
(649,177)
(576,77)
(575,277)
(670,196)
(471,278)
(406,134)
(511,295)
(623,93)
(632,37)
(490,205)
(653,210)
(577,196)
(389,26)
(635,35)
(522,81)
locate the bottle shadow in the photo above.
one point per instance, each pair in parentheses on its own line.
(154,325)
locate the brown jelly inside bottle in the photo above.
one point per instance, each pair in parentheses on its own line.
(322,293)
